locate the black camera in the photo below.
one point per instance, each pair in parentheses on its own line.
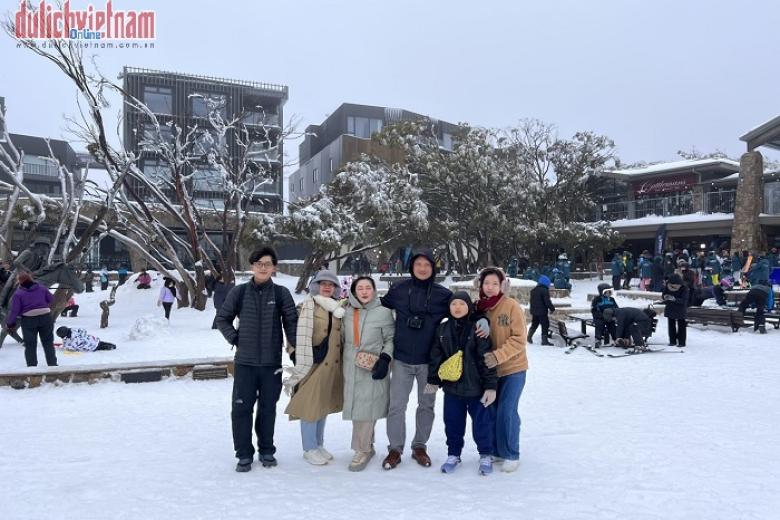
(415,322)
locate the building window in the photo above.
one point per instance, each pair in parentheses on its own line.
(36,165)
(203,103)
(158,99)
(300,185)
(157,171)
(207,179)
(363,126)
(446,141)
(331,164)
(292,186)
(207,141)
(151,139)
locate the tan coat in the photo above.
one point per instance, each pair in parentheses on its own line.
(508,336)
(321,392)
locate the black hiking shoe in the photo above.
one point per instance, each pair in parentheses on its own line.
(244,465)
(267,460)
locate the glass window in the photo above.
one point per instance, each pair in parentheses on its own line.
(315,175)
(363,126)
(150,138)
(203,103)
(207,179)
(376,126)
(351,125)
(300,184)
(207,141)
(156,171)
(158,99)
(36,165)
(331,165)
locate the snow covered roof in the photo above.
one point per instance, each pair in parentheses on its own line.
(679,166)
(679,219)
(735,176)
(765,134)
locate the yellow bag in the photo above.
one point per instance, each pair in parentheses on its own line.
(452,369)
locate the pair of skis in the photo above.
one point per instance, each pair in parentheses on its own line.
(632,351)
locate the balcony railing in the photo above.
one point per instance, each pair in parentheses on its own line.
(260,119)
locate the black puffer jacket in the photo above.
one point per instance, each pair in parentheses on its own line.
(675,302)
(540,301)
(424,298)
(262,312)
(476,377)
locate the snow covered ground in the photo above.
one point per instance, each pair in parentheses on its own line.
(663,436)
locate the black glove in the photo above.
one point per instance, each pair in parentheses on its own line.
(381,367)
(235,341)
(319,353)
(11,329)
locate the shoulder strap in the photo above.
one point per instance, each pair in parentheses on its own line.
(241,293)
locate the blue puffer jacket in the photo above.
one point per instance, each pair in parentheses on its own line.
(407,299)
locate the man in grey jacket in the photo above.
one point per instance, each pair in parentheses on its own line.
(264,309)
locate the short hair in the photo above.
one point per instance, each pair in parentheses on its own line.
(262,251)
(358,279)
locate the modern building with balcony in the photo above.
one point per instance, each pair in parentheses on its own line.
(343,137)
(695,201)
(186,100)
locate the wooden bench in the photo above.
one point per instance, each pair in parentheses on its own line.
(712,316)
(559,326)
(587,321)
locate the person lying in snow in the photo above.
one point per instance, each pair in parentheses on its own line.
(77,339)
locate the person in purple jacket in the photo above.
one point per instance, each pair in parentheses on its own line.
(32,302)
(167,296)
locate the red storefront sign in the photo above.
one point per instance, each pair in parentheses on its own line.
(664,185)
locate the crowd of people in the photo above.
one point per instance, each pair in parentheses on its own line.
(364,359)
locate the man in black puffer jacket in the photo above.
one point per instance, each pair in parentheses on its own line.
(540,306)
(263,310)
(419,305)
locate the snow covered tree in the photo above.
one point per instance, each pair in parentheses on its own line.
(368,205)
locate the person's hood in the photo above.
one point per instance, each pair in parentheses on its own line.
(34,287)
(428,255)
(544,280)
(356,304)
(462,295)
(675,279)
(603,287)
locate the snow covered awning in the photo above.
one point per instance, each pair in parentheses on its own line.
(766,134)
(677,167)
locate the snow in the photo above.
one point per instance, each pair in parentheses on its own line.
(658,436)
(679,219)
(138,328)
(676,166)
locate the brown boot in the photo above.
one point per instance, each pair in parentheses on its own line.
(392,460)
(422,458)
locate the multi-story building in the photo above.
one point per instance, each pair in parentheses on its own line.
(186,101)
(343,137)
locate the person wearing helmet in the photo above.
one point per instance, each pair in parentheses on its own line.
(598,305)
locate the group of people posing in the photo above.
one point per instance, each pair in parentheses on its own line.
(364,357)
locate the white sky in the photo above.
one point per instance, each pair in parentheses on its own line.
(655,76)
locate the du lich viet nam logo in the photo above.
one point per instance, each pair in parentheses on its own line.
(93,23)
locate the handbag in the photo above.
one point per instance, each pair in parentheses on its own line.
(321,351)
(365,360)
(452,368)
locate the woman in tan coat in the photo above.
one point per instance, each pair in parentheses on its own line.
(508,337)
(316,381)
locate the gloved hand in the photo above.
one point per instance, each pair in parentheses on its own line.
(11,328)
(490,360)
(483,328)
(381,367)
(488,398)
(430,389)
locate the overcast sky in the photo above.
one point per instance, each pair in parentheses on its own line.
(655,76)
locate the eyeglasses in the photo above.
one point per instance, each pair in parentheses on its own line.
(264,265)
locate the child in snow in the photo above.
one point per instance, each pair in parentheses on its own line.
(78,340)
(540,306)
(144,280)
(103,279)
(600,303)
(167,296)
(72,307)
(473,391)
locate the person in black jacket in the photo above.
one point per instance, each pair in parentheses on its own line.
(630,324)
(221,290)
(540,306)
(675,296)
(603,301)
(759,297)
(263,310)
(473,392)
(419,305)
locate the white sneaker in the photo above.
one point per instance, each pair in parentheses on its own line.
(314,457)
(510,465)
(325,453)
(497,460)
(360,460)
